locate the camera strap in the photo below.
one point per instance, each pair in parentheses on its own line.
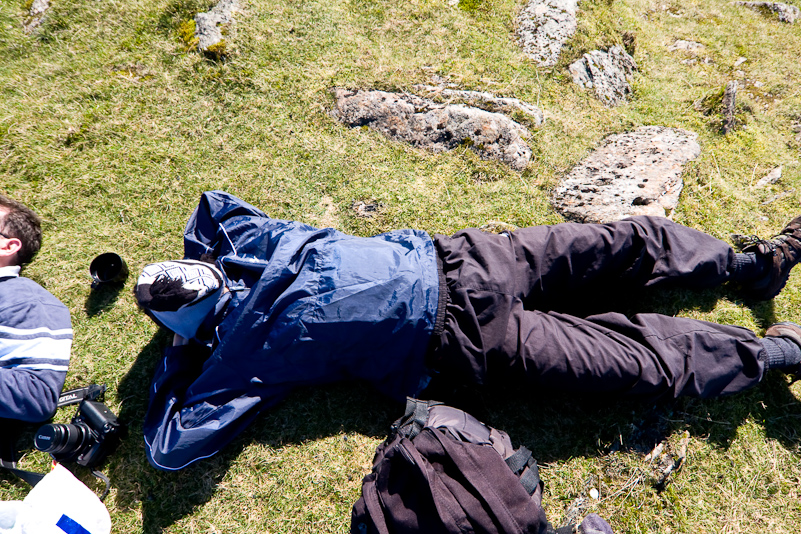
(28,476)
(75,396)
(8,452)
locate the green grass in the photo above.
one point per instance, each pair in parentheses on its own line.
(111,129)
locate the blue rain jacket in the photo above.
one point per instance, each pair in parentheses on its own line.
(307,306)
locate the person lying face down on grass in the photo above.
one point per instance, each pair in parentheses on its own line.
(35,327)
(267,305)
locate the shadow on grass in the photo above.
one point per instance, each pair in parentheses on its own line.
(102,298)
(166,497)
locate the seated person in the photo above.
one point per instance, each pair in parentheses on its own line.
(267,305)
(35,328)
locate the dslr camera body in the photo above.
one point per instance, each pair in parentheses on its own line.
(92,434)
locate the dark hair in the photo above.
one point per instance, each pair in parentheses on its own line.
(22,223)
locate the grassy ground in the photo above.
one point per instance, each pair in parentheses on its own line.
(110,129)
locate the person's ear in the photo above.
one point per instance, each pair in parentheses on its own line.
(9,248)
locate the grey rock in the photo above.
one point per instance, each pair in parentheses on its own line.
(608,73)
(543,28)
(438,127)
(771,178)
(483,100)
(35,15)
(785,12)
(686,46)
(635,173)
(208,25)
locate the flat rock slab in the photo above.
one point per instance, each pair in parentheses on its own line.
(209,25)
(785,12)
(544,26)
(608,73)
(635,173)
(426,124)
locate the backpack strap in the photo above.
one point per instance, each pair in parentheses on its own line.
(414,419)
(523,464)
(373,504)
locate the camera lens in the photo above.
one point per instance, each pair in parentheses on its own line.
(59,438)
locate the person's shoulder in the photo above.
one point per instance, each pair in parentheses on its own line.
(20,290)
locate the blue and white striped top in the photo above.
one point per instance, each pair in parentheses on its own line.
(35,343)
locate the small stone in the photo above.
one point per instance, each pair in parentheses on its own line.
(35,15)
(594,494)
(740,61)
(209,25)
(771,178)
(758,84)
(686,46)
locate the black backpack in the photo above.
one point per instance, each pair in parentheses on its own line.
(443,471)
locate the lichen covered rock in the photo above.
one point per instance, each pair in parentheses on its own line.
(635,173)
(425,124)
(607,73)
(35,15)
(210,26)
(482,100)
(544,26)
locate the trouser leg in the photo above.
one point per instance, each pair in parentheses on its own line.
(544,265)
(492,339)
(495,333)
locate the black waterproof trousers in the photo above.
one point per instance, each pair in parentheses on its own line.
(503,290)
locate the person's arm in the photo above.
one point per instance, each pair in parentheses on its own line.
(35,344)
(29,394)
(182,426)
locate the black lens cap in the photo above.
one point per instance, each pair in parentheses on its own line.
(47,437)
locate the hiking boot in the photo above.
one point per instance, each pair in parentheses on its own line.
(783,252)
(791,332)
(787,330)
